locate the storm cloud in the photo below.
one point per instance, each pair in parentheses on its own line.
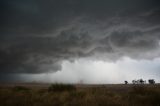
(36,36)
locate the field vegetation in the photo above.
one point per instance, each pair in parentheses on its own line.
(81,95)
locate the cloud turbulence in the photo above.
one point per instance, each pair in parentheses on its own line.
(36,36)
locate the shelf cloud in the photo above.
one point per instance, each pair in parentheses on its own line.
(36,36)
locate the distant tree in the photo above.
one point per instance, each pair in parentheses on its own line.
(126,82)
(133,81)
(151,81)
(141,81)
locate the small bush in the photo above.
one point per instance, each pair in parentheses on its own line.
(61,87)
(20,88)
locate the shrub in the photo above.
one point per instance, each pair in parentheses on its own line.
(61,87)
(20,88)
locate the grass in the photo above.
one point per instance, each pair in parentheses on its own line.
(61,87)
(69,95)
(20,88)
(145,96)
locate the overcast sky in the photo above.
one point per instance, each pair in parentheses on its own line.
(71,41)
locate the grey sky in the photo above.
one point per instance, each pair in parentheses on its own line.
(37,36)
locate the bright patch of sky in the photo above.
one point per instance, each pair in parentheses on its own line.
(101,72)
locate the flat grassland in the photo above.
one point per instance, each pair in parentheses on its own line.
(79,95)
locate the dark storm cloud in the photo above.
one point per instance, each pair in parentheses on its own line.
(37,35)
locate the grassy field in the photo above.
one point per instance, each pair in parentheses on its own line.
(79,95)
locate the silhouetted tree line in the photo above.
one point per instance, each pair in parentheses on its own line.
(141,81)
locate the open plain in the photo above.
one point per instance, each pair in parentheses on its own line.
(39,94)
